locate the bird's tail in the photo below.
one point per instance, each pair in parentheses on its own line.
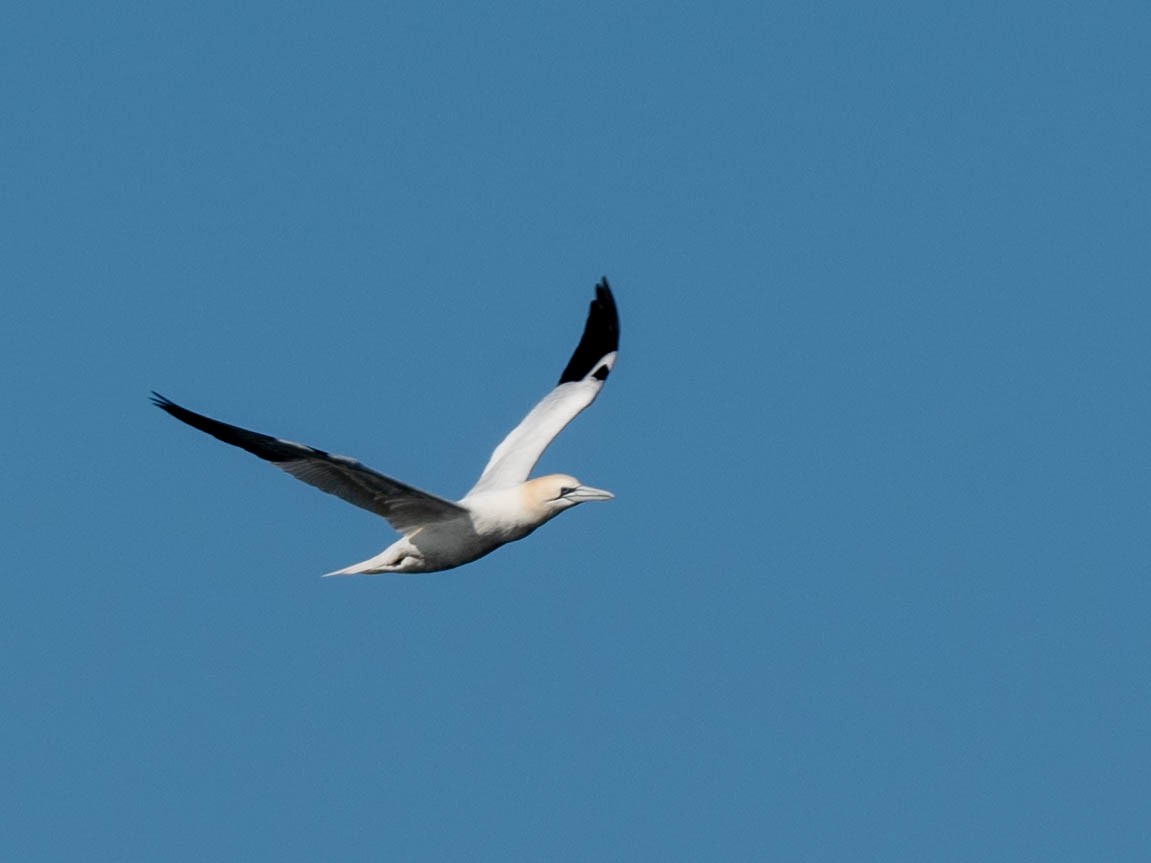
(354,569)
(383,562)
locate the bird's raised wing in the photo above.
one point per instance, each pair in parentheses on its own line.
(579,384)
(404,507)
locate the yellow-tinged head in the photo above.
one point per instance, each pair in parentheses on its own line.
(548,496)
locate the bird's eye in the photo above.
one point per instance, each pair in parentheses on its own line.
(566,490)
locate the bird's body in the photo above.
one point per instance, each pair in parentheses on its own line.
(502,507)
(492,518)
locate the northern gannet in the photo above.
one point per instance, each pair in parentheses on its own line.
(503,506)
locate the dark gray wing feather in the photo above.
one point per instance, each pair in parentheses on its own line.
(404,507)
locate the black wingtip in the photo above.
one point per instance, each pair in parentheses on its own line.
(258,444)
(182,413)
(600,337)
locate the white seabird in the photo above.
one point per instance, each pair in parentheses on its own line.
(503,506)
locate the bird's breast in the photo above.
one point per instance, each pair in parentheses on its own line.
(504,515)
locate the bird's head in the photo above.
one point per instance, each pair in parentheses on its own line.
(556,492)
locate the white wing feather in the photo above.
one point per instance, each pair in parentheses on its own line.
(517,454)
(580,383)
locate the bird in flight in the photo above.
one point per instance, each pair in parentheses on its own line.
(503,506)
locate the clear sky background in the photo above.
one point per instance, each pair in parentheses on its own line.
(875,582)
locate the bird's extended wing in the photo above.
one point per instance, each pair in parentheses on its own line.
(404,507)
(579,384)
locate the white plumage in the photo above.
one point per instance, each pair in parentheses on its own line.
(503,506)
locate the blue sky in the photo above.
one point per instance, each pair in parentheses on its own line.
(875,582)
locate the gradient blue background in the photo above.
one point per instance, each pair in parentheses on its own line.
(875,583)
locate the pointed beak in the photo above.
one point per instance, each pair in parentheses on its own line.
(585,493)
